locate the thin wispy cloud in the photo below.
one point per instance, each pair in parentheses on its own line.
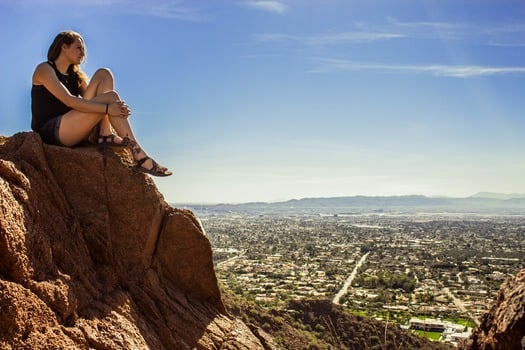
(173,10)
(269,6)
(507,34)
(328,39)
(512,34)
(418,26)
(333,65)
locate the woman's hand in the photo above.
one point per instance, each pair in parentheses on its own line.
(119,109)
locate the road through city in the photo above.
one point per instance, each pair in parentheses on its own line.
(349,280)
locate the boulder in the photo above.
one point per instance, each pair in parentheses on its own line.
(91,256)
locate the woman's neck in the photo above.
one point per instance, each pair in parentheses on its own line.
(62,65)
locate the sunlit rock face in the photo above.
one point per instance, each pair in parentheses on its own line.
(503,327)
(91,256)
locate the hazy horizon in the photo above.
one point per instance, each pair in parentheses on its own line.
(486,195)
(271,100)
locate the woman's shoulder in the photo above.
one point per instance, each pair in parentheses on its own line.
(44,65)
(41,70)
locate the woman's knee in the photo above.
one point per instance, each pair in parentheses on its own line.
(104,73)
(103,77)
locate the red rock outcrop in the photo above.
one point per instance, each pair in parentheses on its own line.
(503,327)
(92,257)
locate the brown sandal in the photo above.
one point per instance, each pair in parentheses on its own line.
(156,169)
(109,141)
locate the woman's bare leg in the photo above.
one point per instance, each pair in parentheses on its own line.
(75,125)
(101,83)
(123,128)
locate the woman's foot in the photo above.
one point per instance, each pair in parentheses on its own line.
(155,169)
(146,164)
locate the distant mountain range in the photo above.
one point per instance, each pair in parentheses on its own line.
(483,203)
(493,195)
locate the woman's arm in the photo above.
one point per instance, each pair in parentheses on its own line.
(45,75)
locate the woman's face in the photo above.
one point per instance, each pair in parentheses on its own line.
(74,52)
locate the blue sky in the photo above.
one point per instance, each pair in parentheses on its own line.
(273,100)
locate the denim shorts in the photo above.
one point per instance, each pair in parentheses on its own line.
(49,132)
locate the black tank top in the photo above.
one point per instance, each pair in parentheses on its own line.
(44,105)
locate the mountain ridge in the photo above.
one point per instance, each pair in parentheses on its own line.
(360,204)
(497,195)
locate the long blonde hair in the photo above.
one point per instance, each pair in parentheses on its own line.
(67,37)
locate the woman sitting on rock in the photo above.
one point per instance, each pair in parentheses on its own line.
(66,106)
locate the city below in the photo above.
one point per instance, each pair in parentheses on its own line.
(433,273)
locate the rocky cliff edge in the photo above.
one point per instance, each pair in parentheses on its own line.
(92,257)
(503,326)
